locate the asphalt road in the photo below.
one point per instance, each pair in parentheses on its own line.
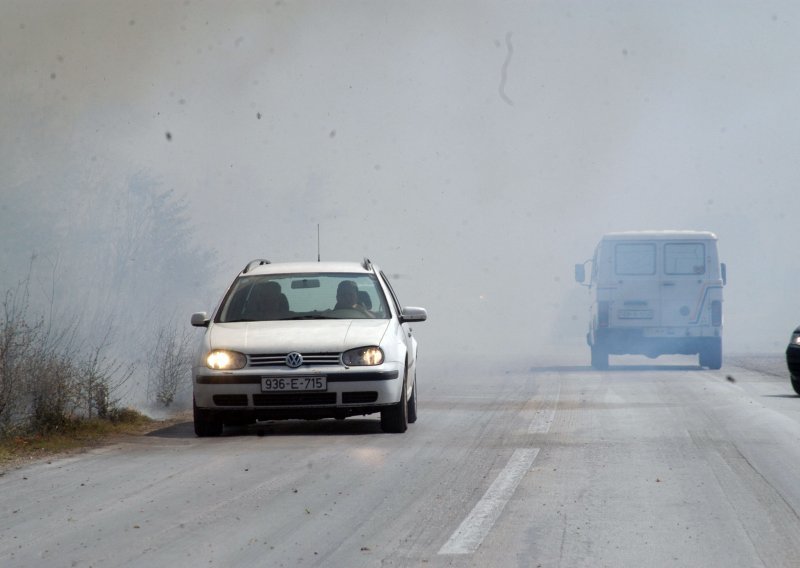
(651,463)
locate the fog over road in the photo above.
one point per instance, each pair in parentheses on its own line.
(530,463)
(475,151)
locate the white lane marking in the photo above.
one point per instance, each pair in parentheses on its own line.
(544,417)
(471,532)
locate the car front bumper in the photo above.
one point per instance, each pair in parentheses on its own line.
(349,392)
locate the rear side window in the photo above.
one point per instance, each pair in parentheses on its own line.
(635,258)
(684,258)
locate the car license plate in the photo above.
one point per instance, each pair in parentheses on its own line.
(302,383)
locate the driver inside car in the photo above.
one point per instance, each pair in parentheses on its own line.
(347,298)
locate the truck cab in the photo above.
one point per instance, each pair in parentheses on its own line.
(655,293)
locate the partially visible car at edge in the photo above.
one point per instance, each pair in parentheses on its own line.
(306,340)
(793,360)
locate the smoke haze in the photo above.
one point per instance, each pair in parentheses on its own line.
(477,150)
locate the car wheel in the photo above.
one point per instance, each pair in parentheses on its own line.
(795,383)
(205,424)
(599,357)
(711,355)
(412,403)
(394,418)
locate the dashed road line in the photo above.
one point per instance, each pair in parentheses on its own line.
(544,417)
(476,526)
(470,534)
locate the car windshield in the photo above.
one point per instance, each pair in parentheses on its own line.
(304,296)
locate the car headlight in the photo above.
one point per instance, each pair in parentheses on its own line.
(363,356)
(795,338)
(223,360)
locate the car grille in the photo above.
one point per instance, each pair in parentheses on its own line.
(279,359)
(294,399)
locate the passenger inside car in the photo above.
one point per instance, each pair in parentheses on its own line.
(265,302)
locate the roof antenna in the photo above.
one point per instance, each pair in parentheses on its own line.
(318,257)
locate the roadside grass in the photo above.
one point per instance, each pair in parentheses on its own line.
(76,435)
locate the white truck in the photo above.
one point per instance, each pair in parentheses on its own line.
(655,293)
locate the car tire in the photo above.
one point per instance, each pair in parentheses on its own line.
(795,383)
(394,419)
(599,357)
(205,424)
(412,403)
(711,355)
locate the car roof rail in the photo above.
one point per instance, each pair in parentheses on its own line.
(256,262)
(366,264)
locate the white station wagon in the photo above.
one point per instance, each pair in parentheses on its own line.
(306,340)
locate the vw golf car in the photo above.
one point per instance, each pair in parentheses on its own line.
(306,340)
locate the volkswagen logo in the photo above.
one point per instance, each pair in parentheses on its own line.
(294,360)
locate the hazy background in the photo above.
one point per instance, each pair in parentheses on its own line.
(478,150)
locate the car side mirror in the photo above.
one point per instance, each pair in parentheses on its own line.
(724,272)
(200,319)
(580,273)
(410,314)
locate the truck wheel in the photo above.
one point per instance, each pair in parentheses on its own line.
(711,355)
(599,357)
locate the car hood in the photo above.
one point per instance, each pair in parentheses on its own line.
(304,335)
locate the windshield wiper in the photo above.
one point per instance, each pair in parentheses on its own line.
(308,317)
